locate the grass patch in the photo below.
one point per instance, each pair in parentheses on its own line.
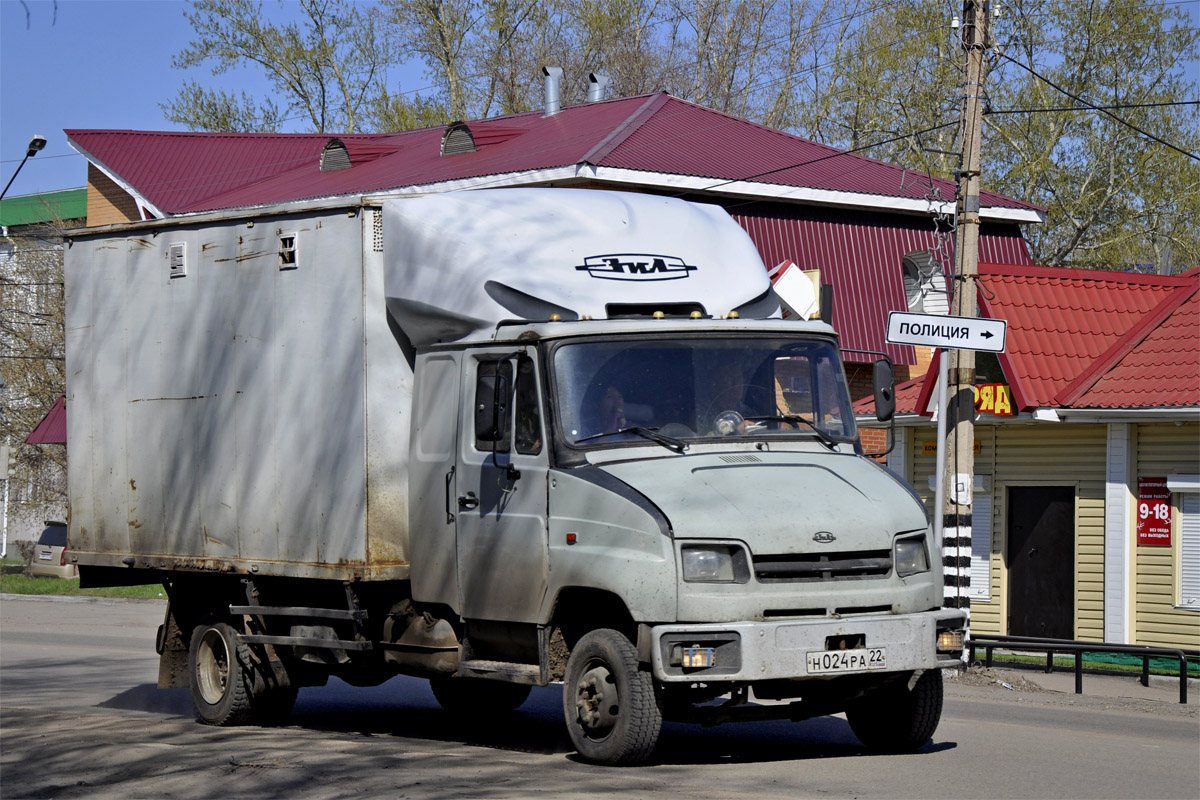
(23,584)
(1131,665)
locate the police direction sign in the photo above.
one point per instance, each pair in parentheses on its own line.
(960,333)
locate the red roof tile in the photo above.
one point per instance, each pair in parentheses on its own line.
(1156,364)
(1061,320)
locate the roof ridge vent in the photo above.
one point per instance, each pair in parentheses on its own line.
(458,139)
(335,156)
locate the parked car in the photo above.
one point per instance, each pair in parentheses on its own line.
(50,554)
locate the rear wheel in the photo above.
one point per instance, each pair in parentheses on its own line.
(466,695)
(220,675)
(613,709)
(896,720)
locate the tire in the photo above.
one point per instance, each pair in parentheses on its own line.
(613,709)
(467,695)
(895,720)
(221,676)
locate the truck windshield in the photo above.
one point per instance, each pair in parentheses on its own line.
(696,389)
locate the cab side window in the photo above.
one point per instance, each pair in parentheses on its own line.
(528,417)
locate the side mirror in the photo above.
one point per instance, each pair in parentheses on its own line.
(885,390)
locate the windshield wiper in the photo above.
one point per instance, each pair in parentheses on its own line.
(669,442)
(824,437)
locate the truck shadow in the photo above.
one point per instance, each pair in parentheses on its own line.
(405,708)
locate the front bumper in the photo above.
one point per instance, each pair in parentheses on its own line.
(758,651)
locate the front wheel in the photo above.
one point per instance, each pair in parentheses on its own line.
(613,709)
(896,720)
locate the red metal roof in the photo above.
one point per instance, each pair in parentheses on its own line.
(180,172)
(53,427)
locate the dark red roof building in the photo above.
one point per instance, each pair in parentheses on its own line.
(852,217)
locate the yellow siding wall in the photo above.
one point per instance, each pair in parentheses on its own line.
(1047,454)
(107,203)
(1163,449)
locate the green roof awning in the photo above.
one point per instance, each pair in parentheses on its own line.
(30,209)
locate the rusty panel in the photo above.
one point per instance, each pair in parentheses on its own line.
(221,416)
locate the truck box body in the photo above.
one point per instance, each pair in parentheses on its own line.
(241,415)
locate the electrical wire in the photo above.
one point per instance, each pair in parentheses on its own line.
(1104,111)
(1092,108)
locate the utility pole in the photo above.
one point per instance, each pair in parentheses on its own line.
(959,471)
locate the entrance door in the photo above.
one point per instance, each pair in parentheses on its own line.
(1041,561)
(501,491)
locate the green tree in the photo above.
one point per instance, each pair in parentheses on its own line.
(1115,196)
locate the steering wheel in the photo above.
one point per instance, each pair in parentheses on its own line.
(727,422)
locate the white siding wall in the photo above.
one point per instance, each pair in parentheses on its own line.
(1118,516)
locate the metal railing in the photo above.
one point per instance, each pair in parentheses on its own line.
(1051,646)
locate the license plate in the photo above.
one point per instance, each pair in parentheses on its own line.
(44,556)
(867,658)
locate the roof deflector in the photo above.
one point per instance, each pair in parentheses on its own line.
(334,156)
(458,139)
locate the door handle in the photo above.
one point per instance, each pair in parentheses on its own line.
(1032,551)
(449,514)
(468,502)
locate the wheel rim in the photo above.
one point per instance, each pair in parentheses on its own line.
(597,701)
(212,667)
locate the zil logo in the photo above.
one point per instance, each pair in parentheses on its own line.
(624,267)
(823,537)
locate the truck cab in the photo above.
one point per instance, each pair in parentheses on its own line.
(689,491)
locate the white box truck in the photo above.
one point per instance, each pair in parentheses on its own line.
(497,439)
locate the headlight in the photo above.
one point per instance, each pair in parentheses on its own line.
(708,565)
(911,556)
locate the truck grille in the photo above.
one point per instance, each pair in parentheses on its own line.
(823,567)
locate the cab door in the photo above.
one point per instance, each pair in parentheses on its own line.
(500,481)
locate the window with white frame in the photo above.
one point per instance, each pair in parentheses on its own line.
(1186,490)
(288,257)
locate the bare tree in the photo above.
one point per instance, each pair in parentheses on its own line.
(327,69)
(31,357)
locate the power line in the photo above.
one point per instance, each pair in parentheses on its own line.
(1104,111)
(1093,108)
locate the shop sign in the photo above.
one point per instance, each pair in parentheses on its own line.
(1153,513)
(930,448)
(994,398)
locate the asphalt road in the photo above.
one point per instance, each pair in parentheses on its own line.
(80,717)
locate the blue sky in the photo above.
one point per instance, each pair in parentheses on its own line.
(94,64)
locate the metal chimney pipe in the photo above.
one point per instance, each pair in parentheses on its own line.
(597,84)
(553,92)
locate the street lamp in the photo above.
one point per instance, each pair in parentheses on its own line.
(35,144)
